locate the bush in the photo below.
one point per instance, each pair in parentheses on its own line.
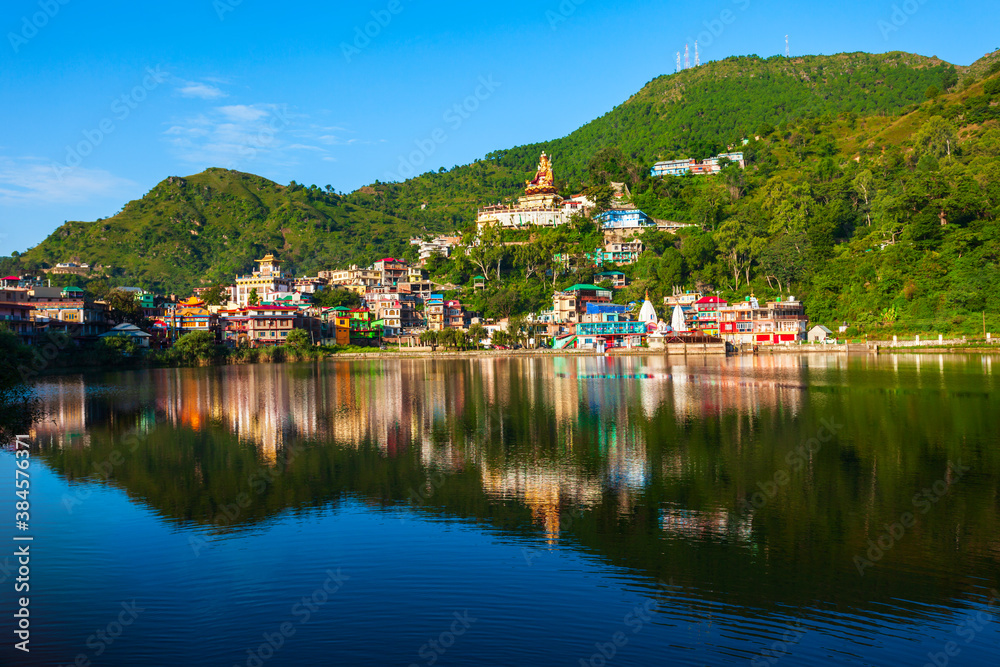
(195,347)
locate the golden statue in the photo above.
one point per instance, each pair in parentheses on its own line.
(544,182)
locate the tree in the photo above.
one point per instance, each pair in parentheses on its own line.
(299,339)
(477,332)
(487,249)
(120,346)
(601,196)
(253,299)
(864,185)
(336,298)
(194,347)
(936,137)
(217,295)
(429,337)
(610,164)
(123,307)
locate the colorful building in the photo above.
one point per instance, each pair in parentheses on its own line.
(706,315)
(706,167)
(69,305)
(775,322)
(267,279)
(622,253)
(626,218)
(15,312)
(269,325)
(185,317)
(391,271)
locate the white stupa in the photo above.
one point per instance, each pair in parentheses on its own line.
(677,322)
(647,313)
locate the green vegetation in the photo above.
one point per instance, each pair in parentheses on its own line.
(204,229)
(872,191)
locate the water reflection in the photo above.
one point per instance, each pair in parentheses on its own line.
(647,461)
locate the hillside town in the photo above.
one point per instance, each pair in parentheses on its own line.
(394,302)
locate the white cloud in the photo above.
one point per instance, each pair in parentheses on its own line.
(333,140)
(35,181)
(201,91)
(243,112)
(230,136)
(305,147)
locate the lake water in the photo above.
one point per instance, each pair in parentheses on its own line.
(524,511)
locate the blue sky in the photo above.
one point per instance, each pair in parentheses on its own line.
(101,101)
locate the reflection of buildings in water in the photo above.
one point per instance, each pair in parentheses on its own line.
(546,488)
(697,524)
(64,423)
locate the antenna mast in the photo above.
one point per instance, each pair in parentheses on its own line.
(786,46)
(697,60)
(687,57)
(678,61)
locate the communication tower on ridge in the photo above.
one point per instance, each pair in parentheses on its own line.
(786,46)
(687,57)
(678,61)
(697,60)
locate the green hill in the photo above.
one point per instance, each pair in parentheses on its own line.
(694,113)
(202,229)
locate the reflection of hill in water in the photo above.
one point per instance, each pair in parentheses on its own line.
(656,464)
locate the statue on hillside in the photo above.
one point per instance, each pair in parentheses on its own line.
(544,182)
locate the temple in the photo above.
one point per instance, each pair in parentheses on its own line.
(540,205)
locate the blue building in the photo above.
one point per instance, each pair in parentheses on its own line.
(625,218)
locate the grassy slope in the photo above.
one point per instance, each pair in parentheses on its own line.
(689,113)
(210,226)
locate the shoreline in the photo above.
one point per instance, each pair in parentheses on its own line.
(696,351)
(417,353)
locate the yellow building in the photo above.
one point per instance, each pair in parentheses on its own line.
(268,278)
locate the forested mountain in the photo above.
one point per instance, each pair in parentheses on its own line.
(694,113)
(203,229)
(872,190)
